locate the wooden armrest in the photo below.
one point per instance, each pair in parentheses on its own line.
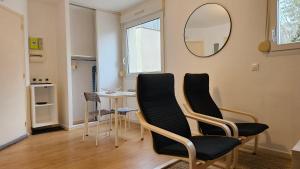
(214,121)
(186,142)
(240,113)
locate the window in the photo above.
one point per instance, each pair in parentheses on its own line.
(286,28)
(143,47)
(288,21)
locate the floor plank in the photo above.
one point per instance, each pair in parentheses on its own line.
(66,150)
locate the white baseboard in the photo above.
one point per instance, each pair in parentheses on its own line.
(17,140)
(65,127)
(78,126)
(91,124)
(267,150)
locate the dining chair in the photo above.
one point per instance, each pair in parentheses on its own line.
(196,90)
(94,98)
(124,114)
(125,111)
(171,134)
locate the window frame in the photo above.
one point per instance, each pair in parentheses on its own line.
(157,15)
(274,31)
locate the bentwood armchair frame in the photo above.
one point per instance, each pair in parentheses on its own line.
(192,160)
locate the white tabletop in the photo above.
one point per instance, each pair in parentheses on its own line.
(116,94)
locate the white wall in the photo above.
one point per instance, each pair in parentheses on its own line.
(109,49)
(49,20)
(16,5)
(41,14)
(272,94)
(141,10)
(64,63)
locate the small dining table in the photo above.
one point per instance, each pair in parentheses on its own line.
(116,95)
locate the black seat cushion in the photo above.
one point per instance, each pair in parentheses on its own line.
(158,104)
(207,147)
(245,129)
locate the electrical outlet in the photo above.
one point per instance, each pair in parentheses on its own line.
(255,67)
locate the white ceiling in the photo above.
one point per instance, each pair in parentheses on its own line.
(109,5)
(208,16)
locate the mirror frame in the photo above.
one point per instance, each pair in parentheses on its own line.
(189,19)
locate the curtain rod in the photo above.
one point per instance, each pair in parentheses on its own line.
(82,6)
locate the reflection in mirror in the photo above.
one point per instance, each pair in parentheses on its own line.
(207,30)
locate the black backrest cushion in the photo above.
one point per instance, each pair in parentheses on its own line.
(196,90)
(158,104)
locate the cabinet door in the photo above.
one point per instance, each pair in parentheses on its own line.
(12,88)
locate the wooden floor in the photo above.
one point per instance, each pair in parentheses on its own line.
(66,150)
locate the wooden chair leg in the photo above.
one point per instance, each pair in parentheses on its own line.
(125,125)
(142,133)
(129,122)
(87,120)
(86,125)
(235,157)
(229,159)
(110,124)
(107,127)
(84,128)
(111,119)
(255,145)
(98,125)
(120,124)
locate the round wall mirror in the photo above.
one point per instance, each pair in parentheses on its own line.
(207,30)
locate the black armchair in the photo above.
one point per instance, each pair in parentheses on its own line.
(196,90)
(171,134)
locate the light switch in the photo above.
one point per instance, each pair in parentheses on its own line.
(255,67)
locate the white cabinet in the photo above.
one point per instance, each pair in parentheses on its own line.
(43,105)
